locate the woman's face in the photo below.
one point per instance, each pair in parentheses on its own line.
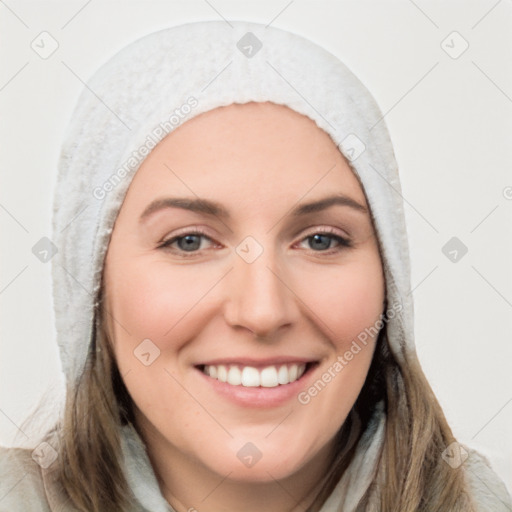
(244,250)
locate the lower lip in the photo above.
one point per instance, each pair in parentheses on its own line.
(258,397)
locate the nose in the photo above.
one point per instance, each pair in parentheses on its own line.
(259,298)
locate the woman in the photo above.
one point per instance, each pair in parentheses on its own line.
(232,295)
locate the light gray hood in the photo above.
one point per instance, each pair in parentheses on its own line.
(167,78)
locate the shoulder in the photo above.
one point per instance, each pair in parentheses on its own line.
(28,480)
(21,482)
(488,491)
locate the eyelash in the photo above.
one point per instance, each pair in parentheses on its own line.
(343,243)
(166,244)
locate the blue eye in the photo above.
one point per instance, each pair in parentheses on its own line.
(194,242)
(325,241)
(320,242)
(189,242)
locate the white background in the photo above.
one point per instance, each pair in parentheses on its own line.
(451,123)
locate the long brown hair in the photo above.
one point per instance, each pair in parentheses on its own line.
(411,475)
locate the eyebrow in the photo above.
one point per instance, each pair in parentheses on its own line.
(327,202)
(194,205)
(213,208)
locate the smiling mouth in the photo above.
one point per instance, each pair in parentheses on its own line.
(271,376)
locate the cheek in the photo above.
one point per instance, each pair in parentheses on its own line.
(346,299)
(168,306)
(157,299)
(348,303)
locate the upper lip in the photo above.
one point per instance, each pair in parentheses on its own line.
(245,361)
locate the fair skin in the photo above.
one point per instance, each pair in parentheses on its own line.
(205,303)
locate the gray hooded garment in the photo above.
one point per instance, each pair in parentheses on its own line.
(142,94)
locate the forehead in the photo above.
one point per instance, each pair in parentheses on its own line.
(253,153)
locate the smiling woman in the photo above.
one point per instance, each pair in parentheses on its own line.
(244,338)
(234,315)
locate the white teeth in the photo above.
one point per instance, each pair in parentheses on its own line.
(248,376)
(234,376)
(283,375)
(222,373)
(268,377)
(294,371)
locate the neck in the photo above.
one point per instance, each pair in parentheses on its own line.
(190,486)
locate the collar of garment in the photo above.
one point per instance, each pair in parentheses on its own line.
(346,495)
